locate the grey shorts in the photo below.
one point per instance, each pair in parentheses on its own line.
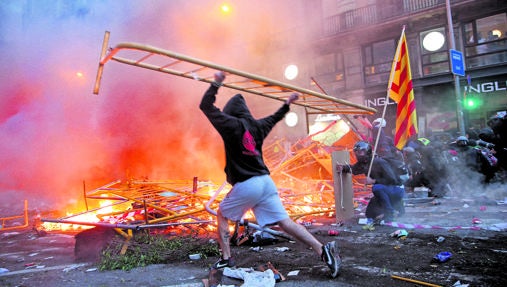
(259,194)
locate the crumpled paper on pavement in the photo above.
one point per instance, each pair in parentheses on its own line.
(251,277)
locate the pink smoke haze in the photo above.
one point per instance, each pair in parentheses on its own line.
(58,138)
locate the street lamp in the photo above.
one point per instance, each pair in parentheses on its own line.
(291,119)
(291,72)
(226,9)
(459,107)
(433,41)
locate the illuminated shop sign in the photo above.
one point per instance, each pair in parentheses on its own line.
(487,87)
(474,88)
(378,102)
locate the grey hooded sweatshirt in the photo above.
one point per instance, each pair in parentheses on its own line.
(243,135)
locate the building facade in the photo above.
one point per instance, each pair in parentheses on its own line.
(354,43)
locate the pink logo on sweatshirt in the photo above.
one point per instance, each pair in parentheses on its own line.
(249,144)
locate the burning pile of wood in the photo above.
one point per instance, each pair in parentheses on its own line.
(302,172)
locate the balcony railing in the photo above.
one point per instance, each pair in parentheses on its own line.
(377,13)
(489,53)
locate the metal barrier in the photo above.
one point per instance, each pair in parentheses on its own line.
(5,221)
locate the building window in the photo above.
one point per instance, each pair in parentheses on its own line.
(435,57)
(329,68)
(324,64)
(339,72)
(378,58)
(486,41)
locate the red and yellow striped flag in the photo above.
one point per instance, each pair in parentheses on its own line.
(400,90)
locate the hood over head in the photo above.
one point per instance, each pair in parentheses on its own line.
(237,107)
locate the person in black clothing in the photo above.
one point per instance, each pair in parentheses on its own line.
(498,125)
(415,167)
(435,163)
(385,146)
(472,160)
(252,186)
(387,188)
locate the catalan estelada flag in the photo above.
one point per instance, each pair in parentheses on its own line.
(400,90)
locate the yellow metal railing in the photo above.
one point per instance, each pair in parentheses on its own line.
(6,221)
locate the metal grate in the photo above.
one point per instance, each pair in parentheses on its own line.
(165,61)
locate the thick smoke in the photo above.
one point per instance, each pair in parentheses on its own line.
(58,138)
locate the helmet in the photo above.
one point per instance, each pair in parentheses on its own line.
(363,151)
(424,141)
(495,122)
(379,122)
(462,141)
(408,150)
(487,134)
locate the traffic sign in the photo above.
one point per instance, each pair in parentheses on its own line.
(457,62)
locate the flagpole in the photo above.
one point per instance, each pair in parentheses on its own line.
(391,75)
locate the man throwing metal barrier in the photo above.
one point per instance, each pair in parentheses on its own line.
(252,186)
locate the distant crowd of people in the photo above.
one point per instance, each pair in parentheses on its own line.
(437,163)
(481,155)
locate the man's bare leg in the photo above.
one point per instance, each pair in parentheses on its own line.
(223,235)
(300,233)
(327,253)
